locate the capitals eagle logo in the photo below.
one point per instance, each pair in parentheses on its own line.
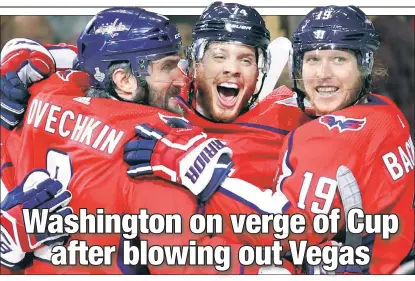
(342,123)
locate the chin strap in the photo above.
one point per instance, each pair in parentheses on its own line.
(144,84)
(300,100)
(191,93)
(254,97)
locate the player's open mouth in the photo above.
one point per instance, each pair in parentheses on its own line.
(327,91)
(227,93)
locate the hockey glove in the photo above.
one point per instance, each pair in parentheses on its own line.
(38,191)
(183,154)
(23,62)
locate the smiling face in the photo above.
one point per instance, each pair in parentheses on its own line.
(332,79)
(226,79)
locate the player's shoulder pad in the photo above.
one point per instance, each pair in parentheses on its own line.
(279,109)
(68,82)
(281,95)
(379,116)
(383,112)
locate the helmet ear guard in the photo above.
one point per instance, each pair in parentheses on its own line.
(264,60)
(198,49)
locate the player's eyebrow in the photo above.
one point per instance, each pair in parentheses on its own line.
(219,49)
(246,55)
(169,59)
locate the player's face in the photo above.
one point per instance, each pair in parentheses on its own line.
(331,79)
(226,78)
(165,82)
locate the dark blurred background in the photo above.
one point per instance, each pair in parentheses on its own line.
(396,53)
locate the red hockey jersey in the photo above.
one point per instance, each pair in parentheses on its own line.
(373,141)
(80,141)
(256,136)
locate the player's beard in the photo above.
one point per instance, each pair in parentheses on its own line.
(167,100)
(139,96)
(205,102)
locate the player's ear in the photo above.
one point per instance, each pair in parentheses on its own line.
(125,82)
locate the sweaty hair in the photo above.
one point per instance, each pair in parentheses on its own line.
(106,93)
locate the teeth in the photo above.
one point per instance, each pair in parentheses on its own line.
(327,89)
(229,85)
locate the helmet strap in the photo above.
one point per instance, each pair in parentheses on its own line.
(144,84)
(300,99)
(191,93)
(254,97)
(364,90)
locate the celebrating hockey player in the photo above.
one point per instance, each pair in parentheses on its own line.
(79,140)
(332,68)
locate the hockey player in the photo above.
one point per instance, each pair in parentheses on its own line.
(241,39)
(229,59)
(331,65)
(229,55)
(79,140)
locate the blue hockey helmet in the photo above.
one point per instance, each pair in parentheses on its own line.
(125,34)
(335,27)
(231,22)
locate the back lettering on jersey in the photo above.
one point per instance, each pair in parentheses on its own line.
(77,127)
(401,160)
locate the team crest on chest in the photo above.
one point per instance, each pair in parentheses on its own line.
(342,123)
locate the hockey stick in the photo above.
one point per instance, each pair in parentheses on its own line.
(279,51)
